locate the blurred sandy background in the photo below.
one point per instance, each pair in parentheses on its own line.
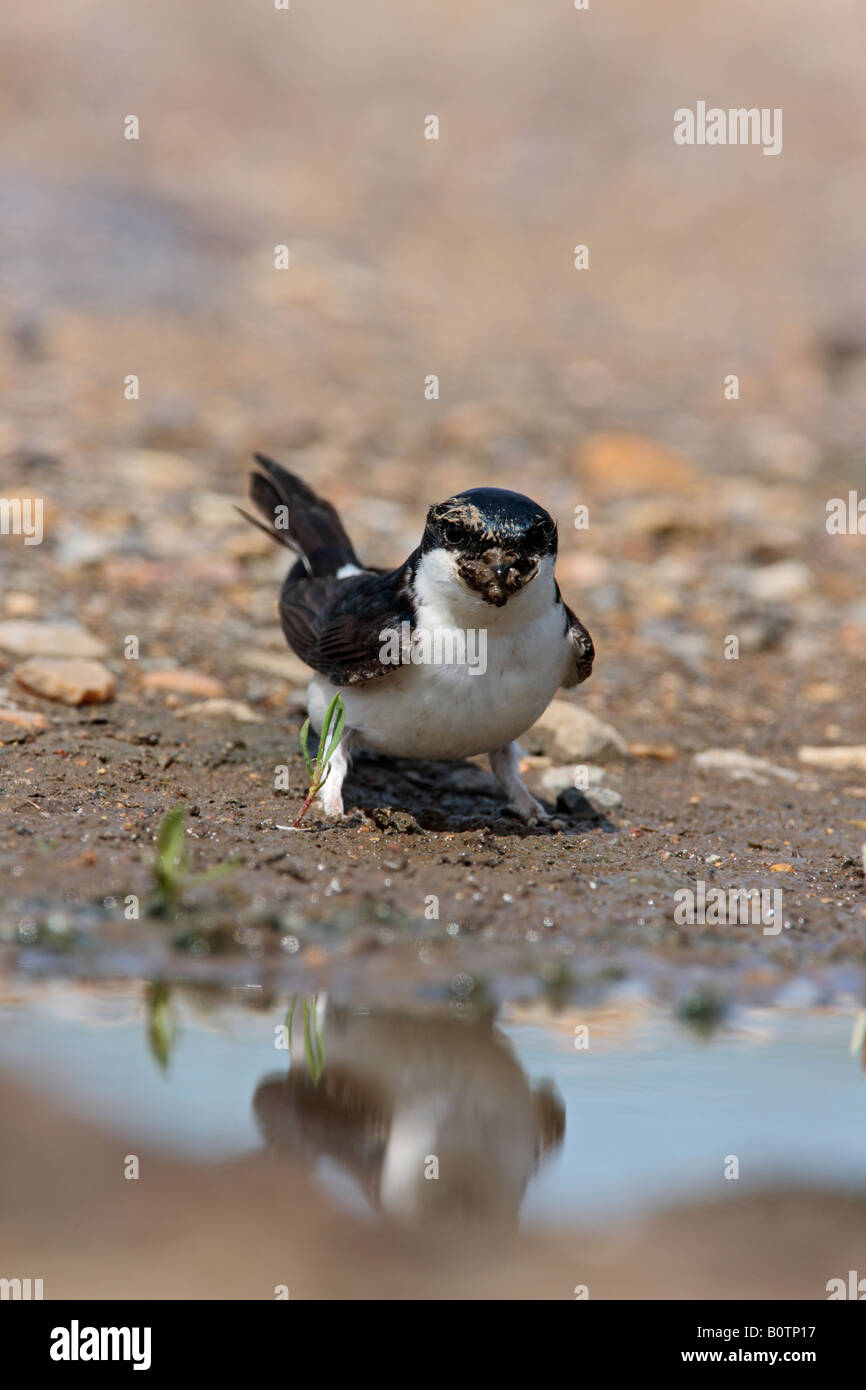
(411,256)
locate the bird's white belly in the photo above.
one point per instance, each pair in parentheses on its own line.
(440,710)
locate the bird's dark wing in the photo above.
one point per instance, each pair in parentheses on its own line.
(337,625)
(583,651)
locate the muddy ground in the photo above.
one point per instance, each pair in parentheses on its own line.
(600,389)
(593,900)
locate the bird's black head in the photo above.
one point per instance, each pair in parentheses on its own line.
(497,539)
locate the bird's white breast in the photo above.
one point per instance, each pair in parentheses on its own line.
(443,710)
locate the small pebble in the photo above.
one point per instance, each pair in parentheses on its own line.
(72,682)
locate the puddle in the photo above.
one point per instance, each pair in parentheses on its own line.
(516,1119)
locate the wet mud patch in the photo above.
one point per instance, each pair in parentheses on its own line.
(425,879)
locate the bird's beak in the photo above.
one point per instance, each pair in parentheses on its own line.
(494,576)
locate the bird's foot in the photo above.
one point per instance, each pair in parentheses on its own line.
(504,764)
(530,811)
(329,802)
(330,796)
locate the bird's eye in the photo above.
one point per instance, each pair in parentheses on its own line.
(452,534)
(539,535)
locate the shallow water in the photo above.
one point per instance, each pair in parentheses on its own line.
(509,1115)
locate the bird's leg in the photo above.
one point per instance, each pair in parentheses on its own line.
(331,794)
(503,764)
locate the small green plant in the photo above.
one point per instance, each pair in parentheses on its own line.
(702,1011)
(160,1023)
(314,1036)
(171,870)
(329,742)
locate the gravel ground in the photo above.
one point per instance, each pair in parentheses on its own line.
(599,389)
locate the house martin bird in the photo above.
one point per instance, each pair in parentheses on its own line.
(456,652)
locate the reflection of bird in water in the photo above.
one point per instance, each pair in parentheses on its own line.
(433,1117)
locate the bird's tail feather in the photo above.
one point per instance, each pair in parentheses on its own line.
(299,519)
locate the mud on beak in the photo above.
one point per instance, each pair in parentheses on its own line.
(495,576)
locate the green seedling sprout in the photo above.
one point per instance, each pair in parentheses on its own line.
(314,1036)
(171,870)
(329,742)
(160,1024)
(314,1041)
